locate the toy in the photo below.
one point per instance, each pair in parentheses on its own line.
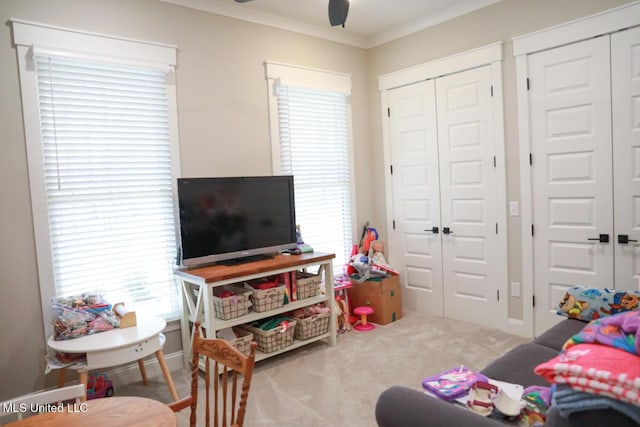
(99,386)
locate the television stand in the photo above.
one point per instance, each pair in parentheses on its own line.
(246,259)
(198,284)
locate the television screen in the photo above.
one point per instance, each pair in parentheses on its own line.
(229,218)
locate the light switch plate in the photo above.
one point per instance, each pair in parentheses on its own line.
(514,208)
(515,289)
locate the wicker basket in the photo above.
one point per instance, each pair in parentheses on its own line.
(243,340)
(233,306)
(273,340)
(307,284)
(267,299)
(312,326)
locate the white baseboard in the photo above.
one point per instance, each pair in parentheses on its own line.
(128,374)
(518,327)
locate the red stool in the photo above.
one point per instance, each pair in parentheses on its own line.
(363,325)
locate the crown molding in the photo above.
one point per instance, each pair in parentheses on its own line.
(258,17)
(332,34)
(421,24)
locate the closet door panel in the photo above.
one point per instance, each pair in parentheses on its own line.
(468,196)
(570,116)
(416,196)
(625,84)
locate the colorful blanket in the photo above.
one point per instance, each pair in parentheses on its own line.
(569,401)
(620,331)
(597,369)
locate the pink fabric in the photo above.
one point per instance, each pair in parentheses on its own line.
(596,369)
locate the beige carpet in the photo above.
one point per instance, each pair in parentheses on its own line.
(322,386)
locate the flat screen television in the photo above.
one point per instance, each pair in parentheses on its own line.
(228,219)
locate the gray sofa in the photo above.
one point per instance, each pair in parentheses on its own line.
(407,407)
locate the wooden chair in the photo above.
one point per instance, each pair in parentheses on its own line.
(228,365)
(23,404)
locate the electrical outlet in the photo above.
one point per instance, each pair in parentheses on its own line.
(515,289)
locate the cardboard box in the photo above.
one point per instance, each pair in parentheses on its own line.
(383,296)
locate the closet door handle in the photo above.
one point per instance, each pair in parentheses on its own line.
(624,239)
(434,230)
(603,238)
(446,230)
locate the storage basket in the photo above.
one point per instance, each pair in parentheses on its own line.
(242,341)
(267,299)
(312,326)
(307,284)
(233,306)
(274,339)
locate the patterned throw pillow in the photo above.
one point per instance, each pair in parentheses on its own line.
(592,303)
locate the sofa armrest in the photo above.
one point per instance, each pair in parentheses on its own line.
(402,406)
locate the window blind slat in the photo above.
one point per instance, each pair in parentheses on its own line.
(108,173)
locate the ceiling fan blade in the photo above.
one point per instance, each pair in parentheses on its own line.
(242,1)
(338,10)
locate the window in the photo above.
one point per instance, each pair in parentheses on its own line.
(102,155)
(312,143)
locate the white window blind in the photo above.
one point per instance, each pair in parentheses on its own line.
(108,181)
(314,148)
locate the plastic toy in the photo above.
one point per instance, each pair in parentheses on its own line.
(99,386)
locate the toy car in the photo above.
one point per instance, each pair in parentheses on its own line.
(99,386)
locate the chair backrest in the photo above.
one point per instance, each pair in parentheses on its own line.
(30,402)
(231,368)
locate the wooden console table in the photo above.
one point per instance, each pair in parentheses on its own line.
(198,285)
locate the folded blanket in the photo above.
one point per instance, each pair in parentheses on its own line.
(596,369)
(620,330)
(567,401)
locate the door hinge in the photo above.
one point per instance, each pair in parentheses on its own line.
(394,224)
(496,228)
(491,90)
(533,300)
(495,162)
(531,159)
(391,169)
(532,230)
(388,112)
(498,294)
(528,84)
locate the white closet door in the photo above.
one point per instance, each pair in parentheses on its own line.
(468,196)
(570,107)
(625,83)
(416,201)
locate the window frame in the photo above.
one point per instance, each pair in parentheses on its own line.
(30,38)
(310,78)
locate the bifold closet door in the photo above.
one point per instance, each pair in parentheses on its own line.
(468,196)
(625,83)
(444,196)
(570,116)
(415,243)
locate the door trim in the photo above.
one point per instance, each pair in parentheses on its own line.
(571,32)
(486,55)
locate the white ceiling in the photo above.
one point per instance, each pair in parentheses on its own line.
(369,23)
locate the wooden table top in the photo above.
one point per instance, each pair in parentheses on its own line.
(217,272)
(126,411)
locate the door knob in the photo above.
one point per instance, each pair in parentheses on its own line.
(603,238)
(434,230)
(446,230)
(624,239)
